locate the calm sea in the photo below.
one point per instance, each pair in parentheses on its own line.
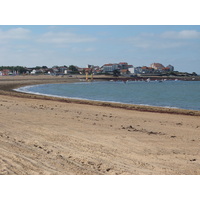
(176,94)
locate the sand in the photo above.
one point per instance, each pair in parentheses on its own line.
(44,135)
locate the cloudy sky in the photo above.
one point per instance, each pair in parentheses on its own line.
(39,45)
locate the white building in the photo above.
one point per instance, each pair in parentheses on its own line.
(111,67)
(132,70)
(33,71)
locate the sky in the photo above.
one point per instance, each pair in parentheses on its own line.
(139,45)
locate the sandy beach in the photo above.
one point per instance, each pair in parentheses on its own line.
(46,135)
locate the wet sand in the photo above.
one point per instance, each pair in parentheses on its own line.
(46,135)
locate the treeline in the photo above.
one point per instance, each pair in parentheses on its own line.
(22,69)
(177,73)
(19,69)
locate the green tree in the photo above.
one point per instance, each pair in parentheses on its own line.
(194,74)
(116,72)
(20,69)
(74,69)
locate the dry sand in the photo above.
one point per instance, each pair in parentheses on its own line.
(43,135)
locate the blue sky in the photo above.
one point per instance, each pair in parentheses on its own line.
(38,45)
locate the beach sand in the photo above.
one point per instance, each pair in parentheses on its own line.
(44,135)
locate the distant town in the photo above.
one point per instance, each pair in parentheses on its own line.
(115,69)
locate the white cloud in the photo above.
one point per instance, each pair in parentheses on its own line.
(156,44)
(163,40)
(185,34)
(15,33)
(64,38)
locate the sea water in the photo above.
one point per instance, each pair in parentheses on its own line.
(176,94)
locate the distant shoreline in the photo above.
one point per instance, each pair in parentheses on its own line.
(7,86)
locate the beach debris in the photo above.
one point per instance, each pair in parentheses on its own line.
(59,156)
(131,128)
(91,163)
(123,127)
(99,166)
(21,141)
(193,160)
(108,169)
(154,133)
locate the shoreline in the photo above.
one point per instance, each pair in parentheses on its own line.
(8,86)
(40,135)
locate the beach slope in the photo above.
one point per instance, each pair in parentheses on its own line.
(50,136)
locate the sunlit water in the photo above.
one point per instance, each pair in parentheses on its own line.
(179,94)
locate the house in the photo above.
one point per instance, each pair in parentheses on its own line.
(157,67)
(97,71)
(59,69)
(143,70)
(124,71)
(5,72)
(109,68)
(170,67)
(34,71)
(88,70)
(147,70)
(132,70)
(137,70)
